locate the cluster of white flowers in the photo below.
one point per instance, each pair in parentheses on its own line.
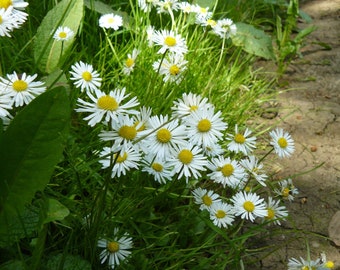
(12,16)
(319,264)
(17,90)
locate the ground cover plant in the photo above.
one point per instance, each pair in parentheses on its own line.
(124,141)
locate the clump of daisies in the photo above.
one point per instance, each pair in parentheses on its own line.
(320,263)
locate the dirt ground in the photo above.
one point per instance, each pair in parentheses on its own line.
(310,112)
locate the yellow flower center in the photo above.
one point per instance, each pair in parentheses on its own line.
(170,41)
(62,35)
(141,128)
(248,206)
(122,158)
(87,76)
(163,135)
(5,3)
(113,247)
(211,22)
(0,19)
(203,10)
(305,268)
(185,156)
(285,192)
(174,70)
(157,167)
(247,189)
(239,138)
(329,264)
(271,213)
(20,85)
(207,200)
(127,132)
(227,170)
(193,108)
(107,103)
(129,62)
(204,125)
(282,142)
(220,214)
(111,20)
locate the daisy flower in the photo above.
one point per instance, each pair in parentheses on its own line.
(189,103)
(249,206)
(212,150)
(13,11)
(142,119)
(172,67)
(227,172)
(158,168)
(188,161)
(205,198)
(287,190)
(123,133)
(222,214)
(325,264)
(186,7)
(123,160)
(241,142)
(166,135)
(275,211)
(22,88)
(111,21)
(8,22)
(106,106)
(85,77)
(202,12)
(251,164)
(225,28)
(130,62)
(206,22)
(63,33)
(146,5)
(294,264)
(18,5)
(150,31)
(5,103)
(167,6)
(204,127)
(115,250)
(282,142)
(169,41)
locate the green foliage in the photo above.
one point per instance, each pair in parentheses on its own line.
(30,148)
(254,41)
(66,262)
(48,52)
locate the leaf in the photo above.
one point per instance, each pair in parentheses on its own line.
(67,262)
(13,265)
(205,3)
(47,50)
(55,211)
(253,41)
(30,148)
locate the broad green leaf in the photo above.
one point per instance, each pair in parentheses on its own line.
(30,148)
(253,41)
(55,211)
(205,3)
(48,52)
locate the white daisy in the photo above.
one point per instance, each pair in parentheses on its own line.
(106,106)
(85,77)
(123,132)
(158,168)
(204,127)
(123,160)
(111,21)
(241,142)
(212,150)
(225,28)
(115,250)
(14,8)
(18,5)
(164,135)
(282,142)
(172,67)
(251,164)
(130,62)
(146,5)
(227,172)
(186,7)
(150,31)
(190,103)
(287,190)
(63,33)
(222,214)
(5,103)
(142,119)
(206,22)
(202,12)
(205,198)
(169,41)
(22,87)
(188,161)
(167,6)
(8,21)
(276,212)
(294,264)
(249,206)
